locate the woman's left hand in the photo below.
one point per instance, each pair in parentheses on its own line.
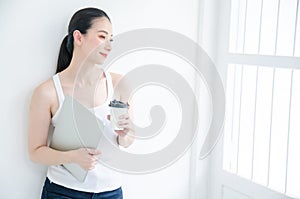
(123,122)
(126,136)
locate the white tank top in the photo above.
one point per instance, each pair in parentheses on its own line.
(100,178)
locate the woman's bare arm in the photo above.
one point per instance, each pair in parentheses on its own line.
(39,121)
(126,136)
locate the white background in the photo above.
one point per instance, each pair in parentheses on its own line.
(31,34)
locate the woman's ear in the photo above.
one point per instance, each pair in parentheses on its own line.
(77,37)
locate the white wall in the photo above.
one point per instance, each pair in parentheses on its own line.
(209,31)
(31,33)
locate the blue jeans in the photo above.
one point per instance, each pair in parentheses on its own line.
(55,191)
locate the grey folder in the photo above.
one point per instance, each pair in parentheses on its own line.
(77,127)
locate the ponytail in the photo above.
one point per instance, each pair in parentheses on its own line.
(65,55)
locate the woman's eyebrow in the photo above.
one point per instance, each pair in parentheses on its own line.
(104,32)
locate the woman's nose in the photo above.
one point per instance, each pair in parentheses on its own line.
(108,45)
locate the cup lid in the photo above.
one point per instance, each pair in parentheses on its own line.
(118,104)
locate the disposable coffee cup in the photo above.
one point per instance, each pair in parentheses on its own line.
(117,108)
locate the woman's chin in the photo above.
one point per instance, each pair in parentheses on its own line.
(100,61)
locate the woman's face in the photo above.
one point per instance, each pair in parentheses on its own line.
(97,41)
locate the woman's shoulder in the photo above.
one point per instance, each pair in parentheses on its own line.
(123,89)
(116,77)
(45,91)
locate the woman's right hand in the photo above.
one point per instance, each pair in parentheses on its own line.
(85,157)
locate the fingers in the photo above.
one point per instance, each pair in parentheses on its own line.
(122,133)
(93,151)
(92,159)
(89,166)
(124,121)
(123,124)
(124,116)
(86,157)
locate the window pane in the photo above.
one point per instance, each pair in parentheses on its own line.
(234,26)
(280,120)
(247,121)
(297,42)
(257,126)
(268,27)
(252,26)
(228,120)
(286,27)
(237,26)
(262,125)
(236,117)
(293,175)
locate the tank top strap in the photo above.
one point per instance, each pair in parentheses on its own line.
(58,89)
(110,87)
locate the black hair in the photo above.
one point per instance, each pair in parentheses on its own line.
(82,21)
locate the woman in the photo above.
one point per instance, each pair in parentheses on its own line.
(78,74)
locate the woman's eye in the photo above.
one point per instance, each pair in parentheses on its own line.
(104,37)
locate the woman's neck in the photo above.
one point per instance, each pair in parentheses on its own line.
(83,72)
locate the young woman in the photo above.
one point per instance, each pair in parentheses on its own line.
(78,74)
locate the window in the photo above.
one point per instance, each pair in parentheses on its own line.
(262,128)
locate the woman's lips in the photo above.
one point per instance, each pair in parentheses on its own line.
(104,55)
